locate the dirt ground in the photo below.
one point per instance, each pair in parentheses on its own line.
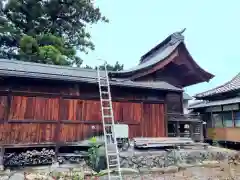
(194,173)
(222,172)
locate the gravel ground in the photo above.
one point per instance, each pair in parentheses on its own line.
(194,173)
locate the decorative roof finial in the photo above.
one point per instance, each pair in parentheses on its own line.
(176,37)
(182,31)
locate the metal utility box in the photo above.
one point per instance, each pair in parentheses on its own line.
(121,130)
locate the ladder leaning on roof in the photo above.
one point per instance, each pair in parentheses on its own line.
(112,153)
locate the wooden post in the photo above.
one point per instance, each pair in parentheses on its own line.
(8,106)
(166,120)
(201,132)
(233,119)
(1,158)
(191,124)
(6,117)
(211,117)
(214,142)
(57,134)
(177,129)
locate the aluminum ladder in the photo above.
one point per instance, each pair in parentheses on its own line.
(112,153)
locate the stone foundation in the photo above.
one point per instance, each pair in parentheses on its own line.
(143,160)
(133,159)
(136,163)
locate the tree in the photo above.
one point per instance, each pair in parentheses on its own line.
(46,49)
(115,67)
(88,67)
(28,20)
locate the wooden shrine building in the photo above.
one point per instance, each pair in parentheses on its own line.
(48,104)
(220,110)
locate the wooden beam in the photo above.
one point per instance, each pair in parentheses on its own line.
(130,122)
(148,101)
(27,145)
(99,122)
(80,97)
(32,121)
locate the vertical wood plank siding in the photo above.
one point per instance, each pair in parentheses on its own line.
(41,119)
(34,108)
(26,133)
(70,109)
(3,108)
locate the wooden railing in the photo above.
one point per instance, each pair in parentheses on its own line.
(224,134)
(194,120)
(184,117)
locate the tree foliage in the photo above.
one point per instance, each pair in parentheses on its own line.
(46,49)
(51,30)
(115,67)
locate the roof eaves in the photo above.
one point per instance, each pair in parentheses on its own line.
(205,104)
(126,83)
(205,76)
(232,85)
(12,68)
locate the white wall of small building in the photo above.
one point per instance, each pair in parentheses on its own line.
(185,107)
(186,99)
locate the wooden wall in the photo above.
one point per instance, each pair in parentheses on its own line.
(41,111)
(174,103)
(166,75)
(223,134)
(36,119)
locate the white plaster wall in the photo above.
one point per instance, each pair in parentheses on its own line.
(185,106)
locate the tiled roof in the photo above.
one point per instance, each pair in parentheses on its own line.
(64,73)
(158,53)
(231,85)
(158,56)
(204,104)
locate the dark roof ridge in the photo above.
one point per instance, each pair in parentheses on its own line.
(170,40)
